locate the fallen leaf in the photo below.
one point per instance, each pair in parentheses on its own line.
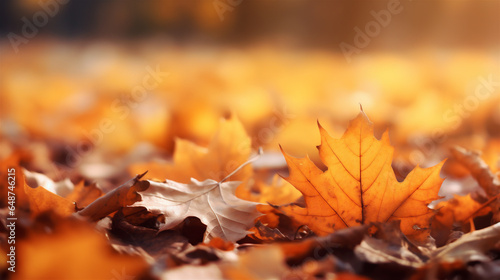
(214,203)
(120,197)
(359,186)
(61,188)
(470,247)
(229,148)
(80,194)
(172,242)
(275,226)
(42,200)
(347,238)
(83,194)
(379,251)
(456,212)
(481,172)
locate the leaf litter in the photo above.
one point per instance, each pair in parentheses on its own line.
(354,220)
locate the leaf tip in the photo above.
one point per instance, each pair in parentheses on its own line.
(139,176)
(319,125)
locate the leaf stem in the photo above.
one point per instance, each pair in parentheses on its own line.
(259,153)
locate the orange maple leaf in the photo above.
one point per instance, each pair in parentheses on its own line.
(229,148)
(359,186)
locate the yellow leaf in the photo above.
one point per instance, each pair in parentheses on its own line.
(229,148)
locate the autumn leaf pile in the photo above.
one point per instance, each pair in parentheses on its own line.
(221,212)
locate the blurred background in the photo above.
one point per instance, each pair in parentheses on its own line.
(100,80)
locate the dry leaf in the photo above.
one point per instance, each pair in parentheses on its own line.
(42,200)
(360,187)
(214,203)
(380,251)
(80,194)
(471,246)
(83,195)
(486,179)
(229,148)
(120,197)
(34,179)
(457,211)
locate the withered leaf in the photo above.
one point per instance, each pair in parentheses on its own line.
(214,203)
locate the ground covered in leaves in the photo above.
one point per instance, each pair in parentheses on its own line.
(186,193)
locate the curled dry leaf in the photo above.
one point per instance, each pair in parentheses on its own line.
(453,214)
(120,197)
(380,251)
(360,187)
(61,188)
(486,179)
(470,247)
(45,194)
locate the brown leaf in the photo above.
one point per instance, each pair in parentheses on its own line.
(42,200)
(470,247)
(122,196)
(83,195)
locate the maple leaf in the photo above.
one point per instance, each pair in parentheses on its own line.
(229,148)
(214,203)
(359,186)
